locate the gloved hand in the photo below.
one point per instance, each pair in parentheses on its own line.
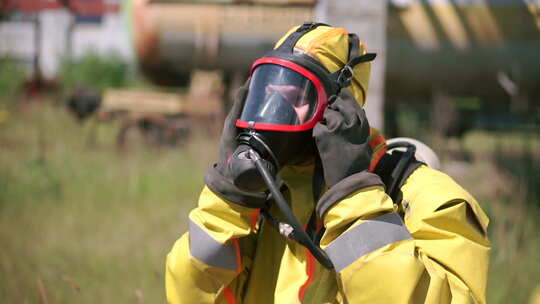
(218,177)
(342,139)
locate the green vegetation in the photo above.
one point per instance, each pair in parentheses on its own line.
(11,80)
(81,222)
(96,72)
(86,222)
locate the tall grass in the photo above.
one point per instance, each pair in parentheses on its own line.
(86,223)
(11,81)
(515,260)
(81,222)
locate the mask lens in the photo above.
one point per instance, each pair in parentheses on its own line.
(279,96)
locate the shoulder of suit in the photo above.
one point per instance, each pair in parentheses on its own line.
(434,186)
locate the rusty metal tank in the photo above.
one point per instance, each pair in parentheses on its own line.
(173,38)
(466,46)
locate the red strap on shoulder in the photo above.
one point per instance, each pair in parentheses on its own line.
(377,142)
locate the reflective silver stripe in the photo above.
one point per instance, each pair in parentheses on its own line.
(365,238)
(205,248)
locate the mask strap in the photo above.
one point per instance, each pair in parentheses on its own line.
(345,75)
(292,39)
(354,46)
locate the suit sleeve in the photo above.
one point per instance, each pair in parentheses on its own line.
(438,254)
(205,264)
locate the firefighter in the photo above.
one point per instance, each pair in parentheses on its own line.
(330,233)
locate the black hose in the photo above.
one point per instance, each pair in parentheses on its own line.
(300,234)
(402,165)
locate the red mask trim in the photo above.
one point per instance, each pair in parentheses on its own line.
(322,99)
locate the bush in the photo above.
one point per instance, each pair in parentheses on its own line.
(11,80)
(96,72)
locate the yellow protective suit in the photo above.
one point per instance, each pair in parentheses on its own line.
(439,253)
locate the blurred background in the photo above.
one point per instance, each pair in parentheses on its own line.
(110,112)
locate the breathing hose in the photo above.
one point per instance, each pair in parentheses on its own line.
(299,233)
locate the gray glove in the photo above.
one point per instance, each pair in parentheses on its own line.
(342,139)
(218,177)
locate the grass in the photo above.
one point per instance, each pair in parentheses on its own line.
(87,223)
(81,222)
(11,81)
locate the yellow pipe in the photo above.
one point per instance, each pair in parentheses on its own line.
(483,24)
(452,26)
(418,25)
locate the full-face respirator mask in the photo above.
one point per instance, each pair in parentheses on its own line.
(288,93)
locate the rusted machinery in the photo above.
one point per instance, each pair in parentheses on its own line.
(156,117)
(175,37)
(459,45)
